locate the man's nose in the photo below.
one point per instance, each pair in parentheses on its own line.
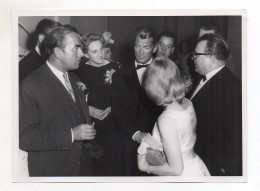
(141,51)
(80,52)
(164,48)
(100,53)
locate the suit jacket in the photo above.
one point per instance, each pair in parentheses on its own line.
(218,106)
(29,63)
(47,114)
(132,110)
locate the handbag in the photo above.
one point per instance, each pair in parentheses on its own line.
(155,157)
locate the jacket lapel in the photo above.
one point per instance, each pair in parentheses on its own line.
(81,98)
(59,93)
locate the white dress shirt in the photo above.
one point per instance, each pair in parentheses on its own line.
(140,72)
(208,76)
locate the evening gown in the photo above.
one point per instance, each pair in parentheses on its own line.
(185,124)
(108,136)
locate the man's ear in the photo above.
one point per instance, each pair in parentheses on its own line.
(212,59)
(41,38)
(57,52)
(172,49)
(155,48)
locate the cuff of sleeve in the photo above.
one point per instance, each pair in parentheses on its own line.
(72,136)
(133,137)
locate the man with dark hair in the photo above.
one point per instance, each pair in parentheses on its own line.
(133,111)
(165,44)
(36,57)
(207,27)
(54,115)
(217,102)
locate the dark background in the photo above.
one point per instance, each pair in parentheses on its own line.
(123,27)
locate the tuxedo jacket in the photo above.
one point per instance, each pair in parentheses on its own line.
(29,63)
(218,107)
(132,110)
(47,114)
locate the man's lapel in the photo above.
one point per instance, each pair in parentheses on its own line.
(81,98)
(59,92)
(132,81)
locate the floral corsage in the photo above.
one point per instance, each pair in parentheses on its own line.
(108,76)
(83,87)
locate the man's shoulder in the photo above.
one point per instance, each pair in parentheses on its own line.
(34,79)
(227,78)
(32,56)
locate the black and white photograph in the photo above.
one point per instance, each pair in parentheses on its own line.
(129,95)
(129,98)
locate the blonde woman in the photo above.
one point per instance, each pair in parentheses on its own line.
(174,134)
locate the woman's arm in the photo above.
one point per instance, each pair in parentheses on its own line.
(171,146)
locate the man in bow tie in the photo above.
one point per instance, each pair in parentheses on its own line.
(217,102)
(133,111)
(55,127)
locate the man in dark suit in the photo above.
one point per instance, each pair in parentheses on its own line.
(54,116)
(218,105)
(133,111)
(35,58)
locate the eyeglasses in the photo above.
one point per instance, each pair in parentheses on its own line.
(195,54)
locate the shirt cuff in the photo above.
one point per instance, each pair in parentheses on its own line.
(133,137)
(72,136)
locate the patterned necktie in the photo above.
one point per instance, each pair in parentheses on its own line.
(68,85)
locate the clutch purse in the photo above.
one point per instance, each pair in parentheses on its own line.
(155,157)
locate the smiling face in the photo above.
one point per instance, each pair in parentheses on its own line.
(96,52)
(165,46)
(201,61)
(143,49)
(71,53)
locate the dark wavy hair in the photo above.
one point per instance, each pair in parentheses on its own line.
(88,38)
(56,37)
(145,32)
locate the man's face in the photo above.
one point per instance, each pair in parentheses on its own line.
(96,52)
(165,46)
(202,32)
(144,49)
(108,53)
(201,61)
(71,53)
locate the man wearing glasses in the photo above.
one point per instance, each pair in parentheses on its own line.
(218,104)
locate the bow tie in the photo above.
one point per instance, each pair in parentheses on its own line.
(139,66)
(203,78)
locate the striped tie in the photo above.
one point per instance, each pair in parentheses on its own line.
(68,85)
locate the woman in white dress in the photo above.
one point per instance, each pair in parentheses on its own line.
(174,134)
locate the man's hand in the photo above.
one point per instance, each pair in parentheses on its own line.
(84,132)
(138,137)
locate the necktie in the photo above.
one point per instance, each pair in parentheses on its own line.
(68,85)
(201,82)
(139,66)
(203,78)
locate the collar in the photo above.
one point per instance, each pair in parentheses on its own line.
(147,63)
(56,72)
(212,73)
